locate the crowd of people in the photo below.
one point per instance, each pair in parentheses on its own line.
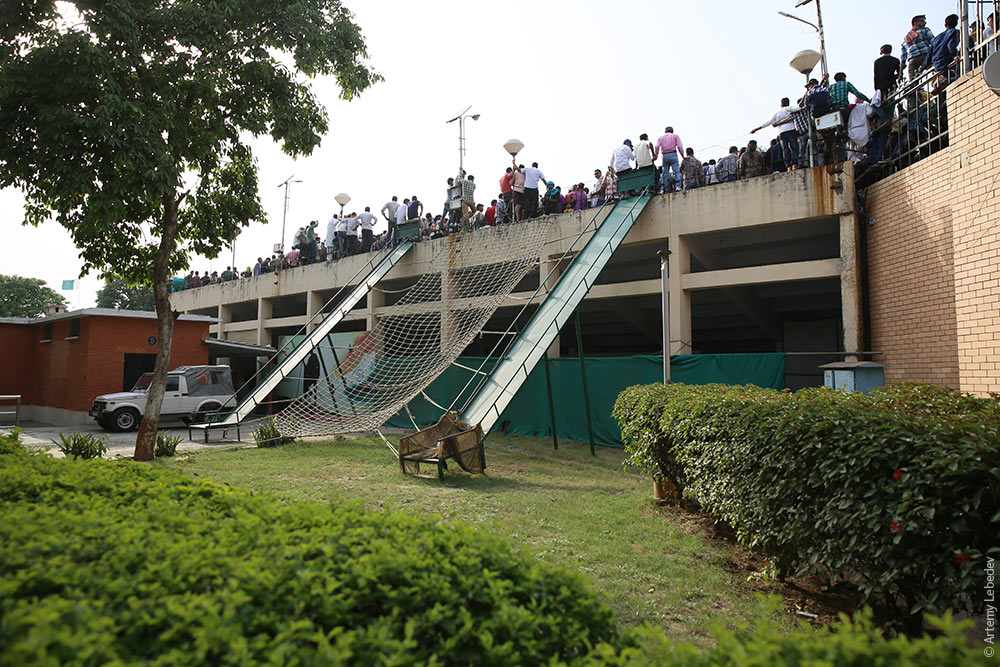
(866,130)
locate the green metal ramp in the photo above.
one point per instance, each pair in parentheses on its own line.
(499,389)
(380,268)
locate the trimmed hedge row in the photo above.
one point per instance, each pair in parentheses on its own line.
(898,492)
(116,561)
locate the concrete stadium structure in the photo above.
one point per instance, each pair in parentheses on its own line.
(761,265)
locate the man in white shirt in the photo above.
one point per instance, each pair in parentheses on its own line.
(353,224)
(342,245)
(622,157)
(787,134)
(400,219)
(532,175)
(367,220)
(389,213)
(331,237)
(644,152)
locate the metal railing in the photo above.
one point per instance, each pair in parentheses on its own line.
(17,407)
(913,122)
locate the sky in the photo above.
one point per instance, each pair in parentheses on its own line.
(571,80)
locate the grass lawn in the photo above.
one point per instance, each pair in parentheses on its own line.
(565,507)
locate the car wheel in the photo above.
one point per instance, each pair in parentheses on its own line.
(125,419)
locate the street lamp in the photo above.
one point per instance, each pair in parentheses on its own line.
(461,133)
(805,61)
(343,198)
(513,146)
(818,28)
(288,181)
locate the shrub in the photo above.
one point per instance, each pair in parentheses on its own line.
(639,411)
(118,562)
(166,445)
(10,443)
(269,436)
(769,644)
(898,492)
(82,445)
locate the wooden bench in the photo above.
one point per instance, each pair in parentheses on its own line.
(449,438)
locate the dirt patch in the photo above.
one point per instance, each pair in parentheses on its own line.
(805,598)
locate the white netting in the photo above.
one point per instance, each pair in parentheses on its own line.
(419,336)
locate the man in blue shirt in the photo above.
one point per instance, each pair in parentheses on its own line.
(944,48)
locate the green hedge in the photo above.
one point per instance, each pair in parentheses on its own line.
(117,561)
(898,492)
(768,643)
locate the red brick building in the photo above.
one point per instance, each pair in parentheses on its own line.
(59,363)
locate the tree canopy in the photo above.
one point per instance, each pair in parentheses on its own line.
(129,121)
(117,294)
(26,297)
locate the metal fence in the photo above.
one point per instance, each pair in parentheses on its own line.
(913,121)
(16,399)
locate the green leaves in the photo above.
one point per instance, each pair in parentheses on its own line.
(134,103)
(882,489)
(105,562)
(26,297)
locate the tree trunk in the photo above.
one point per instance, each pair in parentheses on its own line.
(146,438)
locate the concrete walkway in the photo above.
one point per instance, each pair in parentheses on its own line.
(120,445)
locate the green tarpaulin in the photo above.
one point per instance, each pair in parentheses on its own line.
(528,413)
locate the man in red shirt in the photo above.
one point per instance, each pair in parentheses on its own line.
(506,189)
(491,214)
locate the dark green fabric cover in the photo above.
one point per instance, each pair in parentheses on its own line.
(528,413)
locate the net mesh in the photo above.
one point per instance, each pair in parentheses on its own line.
(420,335)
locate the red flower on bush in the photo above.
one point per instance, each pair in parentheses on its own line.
(895,526)
(960,558)
(897,475)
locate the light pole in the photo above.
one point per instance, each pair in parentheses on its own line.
(665,304)
(818,28)
(343,199)
(288,181)
(461,133)
(512,146)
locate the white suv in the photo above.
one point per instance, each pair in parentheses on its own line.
(192,391)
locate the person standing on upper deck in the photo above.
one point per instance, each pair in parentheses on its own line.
(916,46)
(887,71)
(532,175)
(669,146)
(621,158)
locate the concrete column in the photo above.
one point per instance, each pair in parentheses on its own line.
(225,318)
(376,299)
(850,292)
(265,310)
(449,290)
(680,299)
(314,304)
(545,266)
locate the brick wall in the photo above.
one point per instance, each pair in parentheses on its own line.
(934,254)
(68,372)
(17,360)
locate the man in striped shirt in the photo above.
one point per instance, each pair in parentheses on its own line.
(916,46)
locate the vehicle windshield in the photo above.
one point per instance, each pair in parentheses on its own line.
(143,383)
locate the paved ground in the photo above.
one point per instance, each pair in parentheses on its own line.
(39,435)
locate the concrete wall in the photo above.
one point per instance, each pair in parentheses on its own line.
(934,254)
(763,212)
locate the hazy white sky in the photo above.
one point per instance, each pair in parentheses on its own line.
(569,79)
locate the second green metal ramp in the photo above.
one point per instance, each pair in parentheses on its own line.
(499,389)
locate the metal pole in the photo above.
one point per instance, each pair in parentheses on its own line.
(963,7)
(822,39)
(586,394)
(552,407)
(461,143)
(665,302)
